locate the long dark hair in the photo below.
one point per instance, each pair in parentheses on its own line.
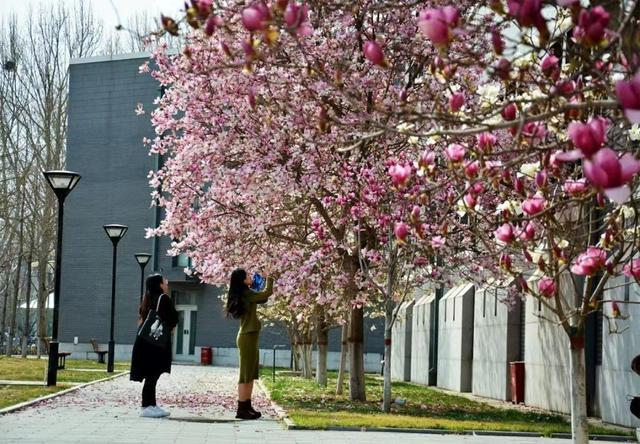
(237,287)
(153,289)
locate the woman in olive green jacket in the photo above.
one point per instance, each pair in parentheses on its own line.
(242,304)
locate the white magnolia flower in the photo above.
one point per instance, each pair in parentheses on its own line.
(529,169)
(461,208)
(634,132)
(413,140)
(489,94)
(628,212)
(563,243)
(404,127)
(510,205)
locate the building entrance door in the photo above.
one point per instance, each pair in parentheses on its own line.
(184,338)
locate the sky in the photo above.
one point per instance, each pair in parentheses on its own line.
(104,9)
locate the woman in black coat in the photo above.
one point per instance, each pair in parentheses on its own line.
(148,361)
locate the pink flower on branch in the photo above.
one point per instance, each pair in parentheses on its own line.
(550,67)
(547,287)
(400,174)
(534,205)
(589,262)
(256,17)
(632,269)
(455,152)
(528,13)
(575,187)
(592,26)
(296,17)
(373,53)
(505,234)
(401,231)
(611,173)
(437,24)
(456,101)
(486,141)
(628,93)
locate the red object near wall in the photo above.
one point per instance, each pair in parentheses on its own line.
(517,381)
(206,356)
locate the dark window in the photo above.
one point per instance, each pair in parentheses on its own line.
(484,303)
(627,287)
(495,306)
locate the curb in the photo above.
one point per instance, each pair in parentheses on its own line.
(615,438)
(25,404)
(280,412)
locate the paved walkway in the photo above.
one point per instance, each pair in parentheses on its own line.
(202,402)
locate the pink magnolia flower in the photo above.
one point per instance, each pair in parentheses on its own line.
(505,261)
(471,169)
(455,152)
(373,53)
(510,112)
(502,69)
(628,93)
(426,159)
(486,141)
(400,174)
(437,242)
(528,13)
(437,24)
(550,67)
(611,173)
(401,231)
(470,201)
(415,214)
(589,137)
(541,178)
(536,131)
(255,17)
(589,262)
(547,287)
(296,17)
(456,101)
(497,41)
(592,25)
(505,234)
(632,269)
(528,232)
(534,205)
(575,187)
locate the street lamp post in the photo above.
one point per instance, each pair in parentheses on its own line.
(143,260)
(61,182)
(115,233)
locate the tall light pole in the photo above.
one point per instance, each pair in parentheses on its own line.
(61,182)
(143,260)
(115,233)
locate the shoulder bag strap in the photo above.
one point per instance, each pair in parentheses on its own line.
(158,305)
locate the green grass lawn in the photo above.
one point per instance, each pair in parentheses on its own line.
(18,369)
(14,394)
(309,405)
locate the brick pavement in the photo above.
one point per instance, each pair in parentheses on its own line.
(202,403)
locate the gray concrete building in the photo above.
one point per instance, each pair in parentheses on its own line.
(105,146)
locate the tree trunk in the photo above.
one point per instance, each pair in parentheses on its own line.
(5,304)
(26,330)
(43,296)
(14,306)
(579,429)
(356,356)
(322,335)
(343,358)
(306,345)
(388,324)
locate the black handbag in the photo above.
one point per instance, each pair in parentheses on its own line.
(154,330)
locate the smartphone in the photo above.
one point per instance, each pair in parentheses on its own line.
(258,282)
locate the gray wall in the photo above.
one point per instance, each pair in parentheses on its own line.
(105,146)
(496,342)
(421,335)
(455,339)
(401,339)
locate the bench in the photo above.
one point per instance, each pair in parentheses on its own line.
(62,356)
(97,351)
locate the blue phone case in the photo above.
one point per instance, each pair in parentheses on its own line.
(258,282)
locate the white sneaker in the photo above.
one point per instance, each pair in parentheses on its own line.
(162,412)
(150,412)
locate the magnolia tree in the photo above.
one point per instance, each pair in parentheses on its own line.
(496,136)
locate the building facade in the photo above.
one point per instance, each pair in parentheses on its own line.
(105,146)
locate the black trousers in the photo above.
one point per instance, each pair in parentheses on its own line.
(149,390)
